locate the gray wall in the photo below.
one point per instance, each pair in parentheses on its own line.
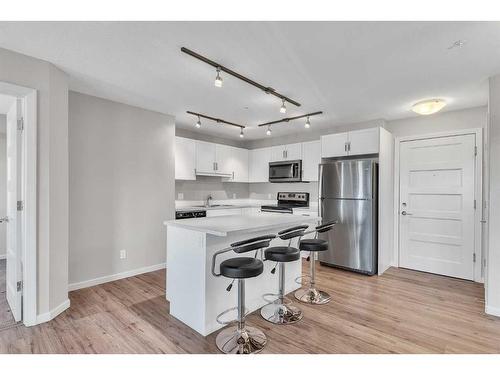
(204,186)
(3,187)
(121,186)
(52,167)
(180,132)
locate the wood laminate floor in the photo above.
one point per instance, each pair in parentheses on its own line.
(402,311)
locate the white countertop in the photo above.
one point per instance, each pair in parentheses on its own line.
(222,225)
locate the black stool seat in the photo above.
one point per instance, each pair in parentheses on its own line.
(282,254)
(313,244)
(241,268)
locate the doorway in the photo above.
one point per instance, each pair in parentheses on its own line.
(439,205)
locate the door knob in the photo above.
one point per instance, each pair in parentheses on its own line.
(404,213)
(4,219)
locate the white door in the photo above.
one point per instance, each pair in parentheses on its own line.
(14,273)
(311,159)
(362,142)
(185,159)
(205,157)
(334,145)
(437,205)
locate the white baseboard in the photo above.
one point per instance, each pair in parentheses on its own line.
(492,310)
(42,318)
(114,277)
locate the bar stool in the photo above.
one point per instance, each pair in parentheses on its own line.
(281,311)
(311,294)
(240,338)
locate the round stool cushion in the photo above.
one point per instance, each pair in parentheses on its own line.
(241,268)
(313,244)
(282,254)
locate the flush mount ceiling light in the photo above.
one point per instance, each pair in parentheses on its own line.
(218,79)
(283,107)
(217,120)
(287,119)
(428,107)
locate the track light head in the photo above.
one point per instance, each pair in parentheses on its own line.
(283,106)
(198,123)
(218,79)
(268,132)
(307,125)
(241,133)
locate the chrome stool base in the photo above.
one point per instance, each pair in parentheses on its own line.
(312,296)
(280,313)
(246,341)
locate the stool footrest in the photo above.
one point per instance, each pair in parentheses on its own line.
(224,322)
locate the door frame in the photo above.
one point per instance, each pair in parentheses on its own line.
(478,193)
(28,221)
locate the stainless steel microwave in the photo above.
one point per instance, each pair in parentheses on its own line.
(285,171)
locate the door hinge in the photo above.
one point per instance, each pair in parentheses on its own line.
(20,205)
(20,124)
(19,286)
(475,150)
(474,257)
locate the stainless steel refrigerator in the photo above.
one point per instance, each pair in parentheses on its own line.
(348,194)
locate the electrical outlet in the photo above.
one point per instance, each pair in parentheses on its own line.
(180,196)
(123,254)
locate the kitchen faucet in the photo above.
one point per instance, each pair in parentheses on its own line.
(209,201)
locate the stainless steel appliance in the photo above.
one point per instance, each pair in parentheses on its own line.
(287,202)
(348,194)
(189,214)
(285,171)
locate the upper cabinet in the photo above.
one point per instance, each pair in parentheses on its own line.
(358,142)
(311,158)
(205,158)
(185,162)
(239,164)
(286,152)
(223,159)
(258,162)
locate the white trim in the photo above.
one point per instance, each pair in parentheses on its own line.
(114,277)
(29,217)
(492,310)
(2,257)
(478,191)
(42,318)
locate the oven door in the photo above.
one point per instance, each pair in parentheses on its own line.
(285,171)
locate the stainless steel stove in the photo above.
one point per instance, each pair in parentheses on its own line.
(287,201)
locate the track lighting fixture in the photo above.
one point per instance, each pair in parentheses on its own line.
(287,119)
(307,125)
(217,120)
(222,68)
(198,123)
(218,78)
(241,133)
(268,132)
(283,106)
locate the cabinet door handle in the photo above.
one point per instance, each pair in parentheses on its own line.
(349,146)
(345,147)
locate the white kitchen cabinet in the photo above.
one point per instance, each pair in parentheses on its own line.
(205,157)
(185,159)
(259,164)
(223,159)
(311,158)
(286,152)
(364,141)
(224,212)
(239,164)
(358,142)
(333,145)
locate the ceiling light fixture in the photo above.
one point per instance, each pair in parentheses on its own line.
(288,119)
(269,131)
(283,106)
(307,125)
(218,79)
(428,107)
(217,120)
(241,133)
(219,67)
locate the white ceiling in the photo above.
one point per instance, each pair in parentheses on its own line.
(6,102)
(353,71)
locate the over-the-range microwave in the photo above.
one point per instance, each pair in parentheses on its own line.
(285,171)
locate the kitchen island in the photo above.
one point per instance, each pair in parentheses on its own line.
(196,296)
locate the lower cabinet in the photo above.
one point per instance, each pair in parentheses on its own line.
(224,212)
